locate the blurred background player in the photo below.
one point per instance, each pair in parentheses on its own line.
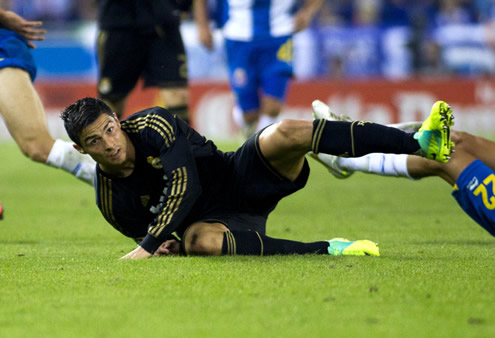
(258,40)
(470,171)
(20,105)
(141,38)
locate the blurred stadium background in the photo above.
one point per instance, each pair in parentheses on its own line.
(380,60)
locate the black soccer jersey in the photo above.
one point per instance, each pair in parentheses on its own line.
(160,195)
(180,178)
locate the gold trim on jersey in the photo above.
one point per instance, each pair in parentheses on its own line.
(231,245)
(106,199)
(315,144)
(153,121)
(261,243)
(101,41)
(352,138)
(177,191)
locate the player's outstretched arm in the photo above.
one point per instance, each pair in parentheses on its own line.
(23,27)
(200,12)
(303,16)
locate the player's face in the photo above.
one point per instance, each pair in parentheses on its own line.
(105,142)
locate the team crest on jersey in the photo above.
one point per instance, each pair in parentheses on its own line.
(155,162)
(145,200)
(239,77)
(105,85)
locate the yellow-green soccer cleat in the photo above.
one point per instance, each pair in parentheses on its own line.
(345,247)
(434,135)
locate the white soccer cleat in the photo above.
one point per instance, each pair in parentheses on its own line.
(322,111)
(331,163)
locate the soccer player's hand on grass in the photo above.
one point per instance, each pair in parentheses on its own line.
(170,247)
(137,253)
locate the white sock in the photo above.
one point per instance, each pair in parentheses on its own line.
(380,164)
(238,117)
(264,121)
(64,156)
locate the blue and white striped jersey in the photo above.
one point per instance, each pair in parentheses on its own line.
(248,20)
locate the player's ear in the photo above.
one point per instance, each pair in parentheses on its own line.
(116,119)
(79,149)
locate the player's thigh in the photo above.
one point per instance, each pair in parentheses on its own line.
(121,58)
(22,110)
(477,146)
(285,144)
(204,238)
(255,184)
(243,76)
(166,62)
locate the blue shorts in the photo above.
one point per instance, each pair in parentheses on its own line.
(15,52)
(475,193)
(257,67)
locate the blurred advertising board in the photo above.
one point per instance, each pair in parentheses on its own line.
(383,101)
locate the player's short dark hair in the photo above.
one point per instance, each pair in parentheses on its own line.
(82,113)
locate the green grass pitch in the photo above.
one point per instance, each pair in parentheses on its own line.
(60,275)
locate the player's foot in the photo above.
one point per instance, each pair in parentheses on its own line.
(332,164)
(345,247)
(322,111)
(434,135)
(1,211)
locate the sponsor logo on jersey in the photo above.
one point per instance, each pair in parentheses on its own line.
(145,199)
(473,184)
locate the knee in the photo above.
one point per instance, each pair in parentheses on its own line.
(295,132)
(459,137)
(200,241)
(34,150)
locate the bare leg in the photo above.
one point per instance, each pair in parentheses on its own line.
(477,146)
(176,100)
(269,112)
(467,149)
(174,97)
(24,115)
(285,144)
(117,105)
(204,239)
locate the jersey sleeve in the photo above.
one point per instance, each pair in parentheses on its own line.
(180,167)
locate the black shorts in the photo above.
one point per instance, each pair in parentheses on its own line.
(252,189)
(126,55)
